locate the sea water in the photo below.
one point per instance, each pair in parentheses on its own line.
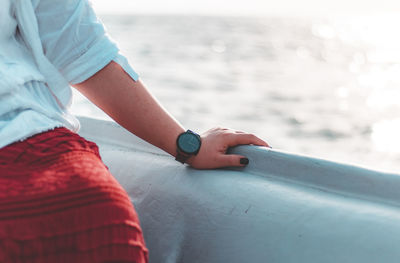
(319,87)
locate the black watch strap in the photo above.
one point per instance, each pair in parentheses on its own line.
(181,157)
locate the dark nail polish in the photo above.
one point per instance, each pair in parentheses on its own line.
(244,161)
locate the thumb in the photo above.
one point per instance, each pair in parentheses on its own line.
(232,160)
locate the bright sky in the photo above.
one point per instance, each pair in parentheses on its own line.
(289,7)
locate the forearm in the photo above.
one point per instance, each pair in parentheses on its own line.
(133,107)
(130,104)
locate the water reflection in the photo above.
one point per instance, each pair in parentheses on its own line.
(327,88)
(385,136)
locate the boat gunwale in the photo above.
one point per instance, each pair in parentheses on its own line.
(328,176)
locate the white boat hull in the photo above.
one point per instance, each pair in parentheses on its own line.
(281,208)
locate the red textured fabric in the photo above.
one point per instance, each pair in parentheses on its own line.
(59,203)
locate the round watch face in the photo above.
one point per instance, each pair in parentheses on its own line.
(189,143)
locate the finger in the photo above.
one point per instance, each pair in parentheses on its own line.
(226,160)
(246,138)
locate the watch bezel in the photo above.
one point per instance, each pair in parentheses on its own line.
(185,134)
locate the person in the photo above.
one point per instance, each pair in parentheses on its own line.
(58,201)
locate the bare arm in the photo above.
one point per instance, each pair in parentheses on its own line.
(130,104)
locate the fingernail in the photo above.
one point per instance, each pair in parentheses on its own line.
(244,161)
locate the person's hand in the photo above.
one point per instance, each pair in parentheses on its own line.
(214,144)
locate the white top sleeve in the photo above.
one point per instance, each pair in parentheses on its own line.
(74,39)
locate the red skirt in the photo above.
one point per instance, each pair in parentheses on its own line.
(59,203)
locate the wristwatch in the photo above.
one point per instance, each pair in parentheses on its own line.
(187,144)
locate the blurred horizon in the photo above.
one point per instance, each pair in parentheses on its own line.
(307,8)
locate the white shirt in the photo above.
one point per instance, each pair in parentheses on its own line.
(45,45)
